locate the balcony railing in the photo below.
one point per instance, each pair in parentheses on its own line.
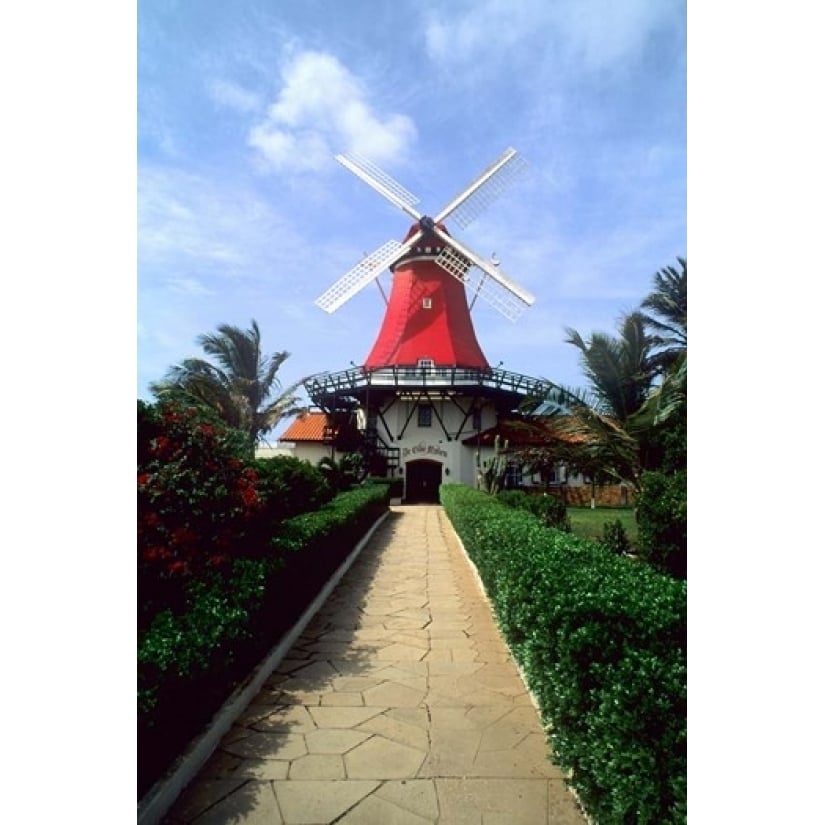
(359,380)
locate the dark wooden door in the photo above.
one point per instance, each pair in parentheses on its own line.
(423,481)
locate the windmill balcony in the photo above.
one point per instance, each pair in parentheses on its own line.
(330,389)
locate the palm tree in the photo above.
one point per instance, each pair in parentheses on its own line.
(239,386)
(667,316)
(619,370)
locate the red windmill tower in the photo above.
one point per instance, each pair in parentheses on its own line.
(428,308)
(426,358)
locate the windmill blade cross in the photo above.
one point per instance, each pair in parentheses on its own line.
(456,258)
(381,182)
(510,305)
(360,275)
(489,185)
(485,266)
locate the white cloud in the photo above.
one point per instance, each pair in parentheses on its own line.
(189,286)
(233,96)
(591,34)
(322,109)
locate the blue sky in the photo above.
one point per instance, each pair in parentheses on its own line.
(243,212)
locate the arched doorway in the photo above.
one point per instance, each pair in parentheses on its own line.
(423,480)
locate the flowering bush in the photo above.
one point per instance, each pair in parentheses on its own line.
(196,499)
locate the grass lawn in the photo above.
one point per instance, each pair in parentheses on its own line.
(589,524)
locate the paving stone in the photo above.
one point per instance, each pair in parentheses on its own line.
(415,795)
(318,671)
(334,741)
(394,695)
(375,810)
(406,673)
(477,801)
(252,804)
(286,719)
(413,640)
(220,765)
(200,796)
(262,769)
(312,802)
(342,717)
(398,730)
(342,699)
(355,683)
(418,717)
(317,766)
(454,668)
(269,746)
(380,758)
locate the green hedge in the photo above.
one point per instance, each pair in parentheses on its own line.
(549,509)
(662,518)
(602,642)
(190,661)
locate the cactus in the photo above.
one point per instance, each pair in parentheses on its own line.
(491,476)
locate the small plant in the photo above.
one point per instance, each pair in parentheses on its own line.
(491,476)
(615,538)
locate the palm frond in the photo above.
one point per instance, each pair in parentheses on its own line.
(238,384)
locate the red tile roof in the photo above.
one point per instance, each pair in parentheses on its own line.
(523,432)
(307,427)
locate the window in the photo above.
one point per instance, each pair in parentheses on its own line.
(512,477)
(426,363)
(553,475)
(427,303)
(425,415)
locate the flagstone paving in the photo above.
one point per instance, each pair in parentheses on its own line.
(399,705)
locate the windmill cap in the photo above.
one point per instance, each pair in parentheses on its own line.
(429,244)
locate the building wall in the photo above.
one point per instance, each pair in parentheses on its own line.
(305,451)
(268,451)
(441,441)
(608,495)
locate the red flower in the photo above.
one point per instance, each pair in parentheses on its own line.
(161,445)
(183,535)
(250,497)
(177,567)
(151,519)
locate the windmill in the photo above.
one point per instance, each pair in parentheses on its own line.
(428,315)
(426,392)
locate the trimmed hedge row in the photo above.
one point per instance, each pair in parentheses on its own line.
(189,662)
(602,642)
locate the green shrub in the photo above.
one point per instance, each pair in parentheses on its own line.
(615,539)
(396,484)
(345,473)
(343,519)
(289,487)
(550,510)
(662,518)
(601,639)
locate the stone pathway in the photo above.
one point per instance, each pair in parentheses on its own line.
(399,705)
